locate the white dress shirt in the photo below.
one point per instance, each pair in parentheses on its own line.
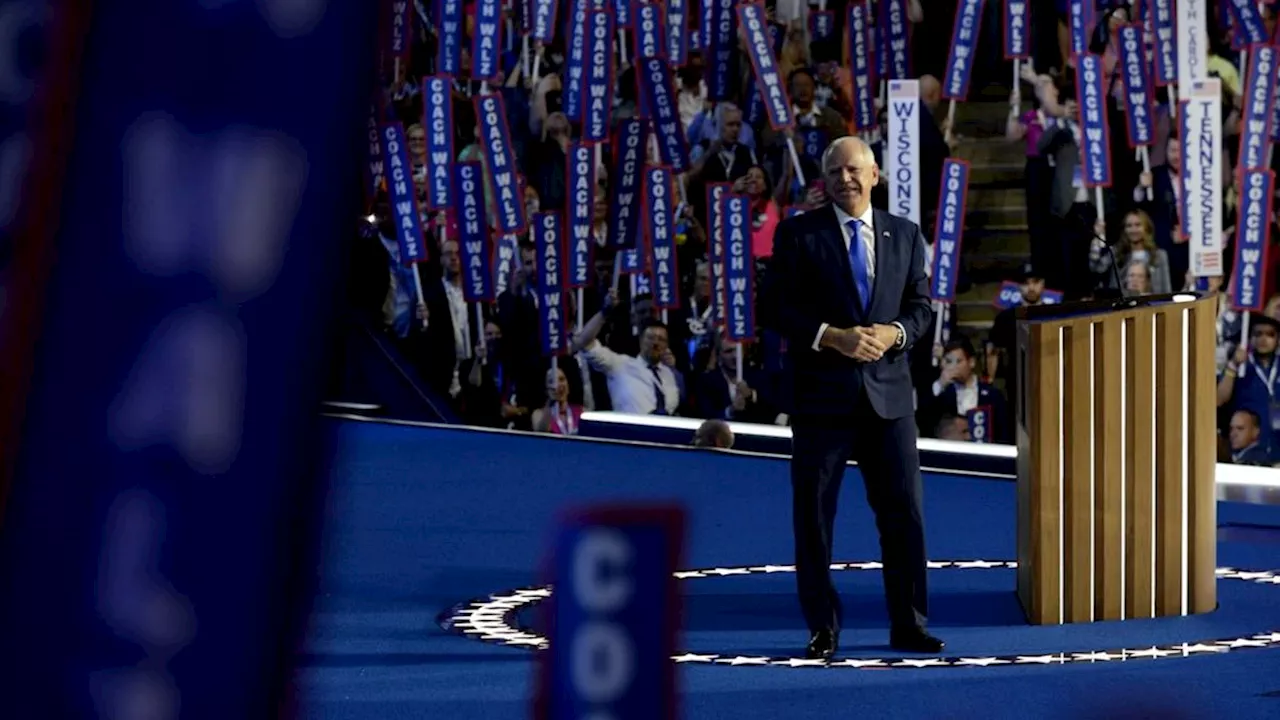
(966,395)
(631,381)
(867,235)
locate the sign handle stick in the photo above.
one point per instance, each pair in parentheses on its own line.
(422,299)
(1097,201)
(511,33)
(938,308)
(555,363)
(951,120)
(822,5)
(1243,68)
(1016,99)
(524,56)
(622,47)
(737,357)
(537,62)
(1145,153)
(581,312)
(664,316)
(484,88)
(1173,102)
(617,264)
(884,93)
(795,160)
(1270,147)
(480,324)
(395,71)
(1244,329)
(599,156)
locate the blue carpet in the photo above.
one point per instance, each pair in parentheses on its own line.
(421,519)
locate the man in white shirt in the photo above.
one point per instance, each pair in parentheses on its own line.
(644,384)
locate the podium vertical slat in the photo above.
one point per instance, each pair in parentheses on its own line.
(1170,440)
(1108,477)
(1139,468)
(1202,510)
(1077,470)
(1040,576)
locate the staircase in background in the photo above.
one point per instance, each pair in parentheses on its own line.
(996,243)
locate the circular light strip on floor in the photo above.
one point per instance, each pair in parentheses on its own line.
(492,620)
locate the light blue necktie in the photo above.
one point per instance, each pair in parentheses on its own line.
(858,263)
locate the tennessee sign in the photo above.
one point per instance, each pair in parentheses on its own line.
(1253,234)
(580,211)
(549,246)
(753,21)
(495,139)
(1201,129)
(950,229)
(615,616)
(437,121)
(473,233)
(864,112)
(1259,99)
(740,318)
(1017,23)
(486,60)
(1091,88)
(964,44)
(402,194)
(1137,88)
(662,237)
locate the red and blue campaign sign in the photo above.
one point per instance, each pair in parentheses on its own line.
(822,24)
(980,424)
(718,20)
(544,21)
(1010,295)
(651,36)
(1137,86)
(678,32)
(950,229)
(632,262)
(1078,12)
(473,233)
(627,176)
(374,166)
(1017,29)
(769,81)
(548,243)
(486,42)
(621,13)
(598,85)
(662,237)
(1247,27)
(437,123)
(400,32)
(898,51)
(575,68)
(864,111)
(580,211)
(1166,42)
(1259,105)
(1096,148)
(964,50)
(740,322)
(715,248)
(656,85)
(615,616)
(1253,235)
(402,194)
(449,44)
(495,138)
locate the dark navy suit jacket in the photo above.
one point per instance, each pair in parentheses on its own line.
(810,282)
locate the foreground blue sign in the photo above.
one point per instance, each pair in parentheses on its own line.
(615,616)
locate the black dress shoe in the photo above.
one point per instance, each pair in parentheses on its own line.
(915,640)
(822,645)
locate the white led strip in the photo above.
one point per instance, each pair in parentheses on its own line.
(1186,473)
(1062,451)
(1155,325)
(1124,465)
(1093,478)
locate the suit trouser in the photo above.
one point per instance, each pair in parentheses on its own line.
(889,461)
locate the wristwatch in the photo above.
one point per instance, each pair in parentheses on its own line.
(901,340)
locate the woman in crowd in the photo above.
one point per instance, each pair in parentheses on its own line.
(764,209)
(557,416)
(1137,247)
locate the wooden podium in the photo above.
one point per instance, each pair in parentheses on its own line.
(1116,455)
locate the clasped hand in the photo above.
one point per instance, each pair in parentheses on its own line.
(864,344)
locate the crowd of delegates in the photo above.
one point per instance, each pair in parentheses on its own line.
(629,356)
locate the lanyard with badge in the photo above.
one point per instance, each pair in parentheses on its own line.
(1269,382)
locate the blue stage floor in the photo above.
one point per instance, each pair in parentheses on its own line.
(421,520)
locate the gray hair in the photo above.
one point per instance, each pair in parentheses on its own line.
(723,109)
(860,147)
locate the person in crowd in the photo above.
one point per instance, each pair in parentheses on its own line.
(959,390)
(1251,381)
(547,166)
(643,384)
(952,427)
(1002,341)
(723,159)
(718,393)
(517,311)
(714,434)
(557,416)
(1165,208)
(1029,127)
(691,91)
(1137,247)
(1245,435)
(765,216)
(1137,279)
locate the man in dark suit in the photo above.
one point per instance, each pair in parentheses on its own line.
(848,291)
